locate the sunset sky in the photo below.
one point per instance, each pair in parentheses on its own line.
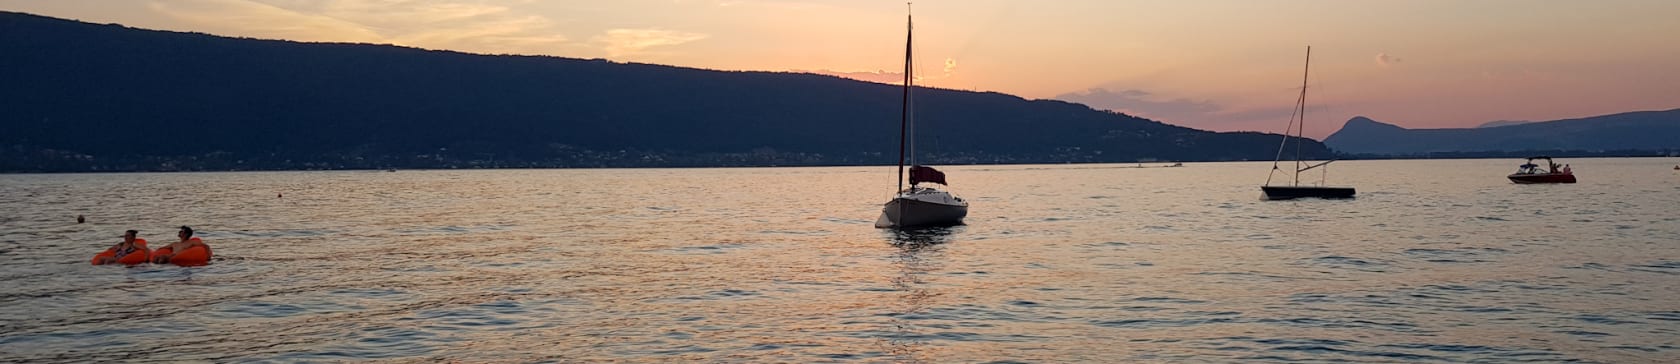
(1219,65)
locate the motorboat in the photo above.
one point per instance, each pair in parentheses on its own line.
(1531,173)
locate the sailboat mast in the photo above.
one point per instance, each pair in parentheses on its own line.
(1301,109)
(904,116)
(910,99)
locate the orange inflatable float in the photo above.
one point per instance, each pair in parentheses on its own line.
(137,256)
(193,256)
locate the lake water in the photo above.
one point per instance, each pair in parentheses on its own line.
(1434,261)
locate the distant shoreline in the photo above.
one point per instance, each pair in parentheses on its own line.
(1145,165)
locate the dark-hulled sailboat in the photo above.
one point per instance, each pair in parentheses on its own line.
(1294,190)
(917,206)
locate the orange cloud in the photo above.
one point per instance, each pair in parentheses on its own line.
(1143,103)
(473,26)
(1384,60)
(265,21)
(624,42)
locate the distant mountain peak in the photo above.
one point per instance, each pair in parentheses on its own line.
(1640,130)
(1362,122)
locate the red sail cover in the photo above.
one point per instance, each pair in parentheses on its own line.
(919,174)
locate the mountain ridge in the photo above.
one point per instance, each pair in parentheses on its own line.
(1499,123)
(85,96)
(1635,130)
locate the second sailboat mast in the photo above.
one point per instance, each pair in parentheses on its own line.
(904,116)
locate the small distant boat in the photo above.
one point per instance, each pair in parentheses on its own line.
(1295,190)
(1140,165)
(918,206)
(1530,173)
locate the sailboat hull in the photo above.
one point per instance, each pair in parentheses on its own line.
(1294,192)
(911,213)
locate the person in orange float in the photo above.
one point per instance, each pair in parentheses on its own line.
(184,252)
(132,250)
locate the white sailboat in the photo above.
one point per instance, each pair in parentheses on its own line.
(917,206)
(1295,190)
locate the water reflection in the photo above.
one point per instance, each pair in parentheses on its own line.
(1077,265)
(920,253)
(913,240)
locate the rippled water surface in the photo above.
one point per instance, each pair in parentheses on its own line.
(1434,261)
